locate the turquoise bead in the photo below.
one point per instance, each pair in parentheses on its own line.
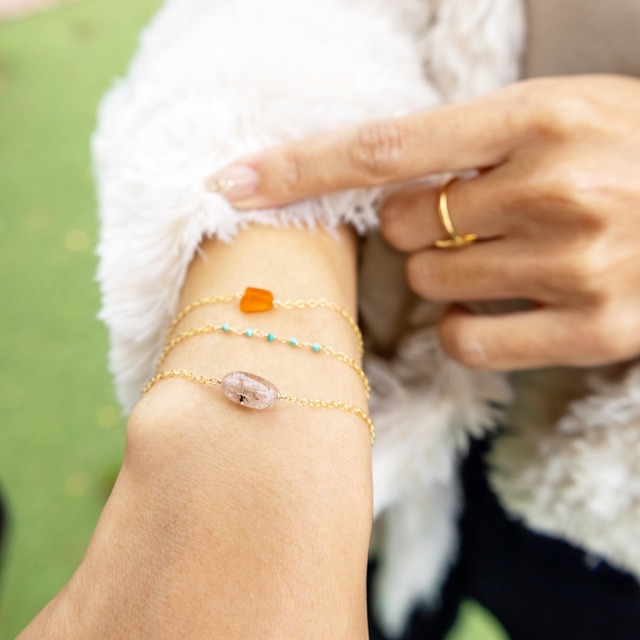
(271,337)
(225,327)
(316,347)
(248,333)
(293,342)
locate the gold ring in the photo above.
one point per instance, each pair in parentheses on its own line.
(455,240)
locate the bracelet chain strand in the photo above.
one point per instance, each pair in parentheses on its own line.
(297,400)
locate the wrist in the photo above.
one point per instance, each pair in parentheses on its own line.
(210,502)
(191,434)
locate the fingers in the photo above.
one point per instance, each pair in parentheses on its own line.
(480,133)
(409,219)
(524,340)
(476,272)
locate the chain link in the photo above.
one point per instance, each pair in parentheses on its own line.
(322,303)
(199,303)
(185,375)
(333,404)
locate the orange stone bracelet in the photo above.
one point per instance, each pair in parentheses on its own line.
(254,300)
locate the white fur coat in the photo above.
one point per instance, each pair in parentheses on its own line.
(216,79)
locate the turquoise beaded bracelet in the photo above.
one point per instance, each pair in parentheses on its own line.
(249,332)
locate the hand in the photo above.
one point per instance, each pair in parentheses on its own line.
(556,205)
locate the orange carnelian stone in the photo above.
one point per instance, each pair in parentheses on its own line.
(255,300)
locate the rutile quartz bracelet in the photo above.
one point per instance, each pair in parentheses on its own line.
(254,392)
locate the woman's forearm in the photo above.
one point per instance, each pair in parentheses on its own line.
(227,522)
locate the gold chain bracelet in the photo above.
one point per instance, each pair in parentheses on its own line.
(254,300)
(315,347)
(250,390)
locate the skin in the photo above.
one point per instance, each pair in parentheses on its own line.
(226,522)
(555,201)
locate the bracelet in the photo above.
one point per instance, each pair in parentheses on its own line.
(315,347)
(254,392)
(254,300)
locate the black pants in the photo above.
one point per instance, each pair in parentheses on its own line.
(538,587)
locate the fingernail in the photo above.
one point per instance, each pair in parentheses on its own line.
(234,183)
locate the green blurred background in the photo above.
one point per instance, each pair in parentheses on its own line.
(61,432)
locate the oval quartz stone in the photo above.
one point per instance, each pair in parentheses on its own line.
(249,390)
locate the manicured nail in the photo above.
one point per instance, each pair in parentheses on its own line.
(234,183)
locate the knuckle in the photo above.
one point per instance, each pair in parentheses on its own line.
(465,349)
(555,185)
(581,271)
(594,265)
(605,340)
(611,336)
(566,274)
(564,187)
(393,223)
(377,150)
(417,273)
(425,275)
(558,184)
(559,114)
(291,172)
(389,227)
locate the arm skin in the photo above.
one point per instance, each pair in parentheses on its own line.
(228,523)
(556,200)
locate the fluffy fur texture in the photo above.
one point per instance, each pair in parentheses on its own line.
(571,465)
(214,80)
